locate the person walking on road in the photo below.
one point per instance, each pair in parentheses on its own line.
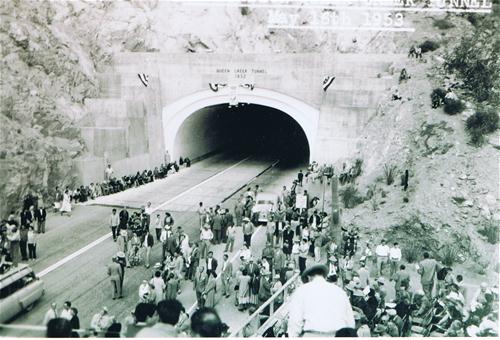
(200,284)
(158,226)
(32,238)
(202,214)
(226,276)
(211,263)
(217,227)
(159,286)
(206,237)
(148,245)
(248,230)
(427,270)
(210,290)
(382,252)
(115,274)
(230,236)
(114,221)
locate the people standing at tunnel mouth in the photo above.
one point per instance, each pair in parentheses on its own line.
(300,177)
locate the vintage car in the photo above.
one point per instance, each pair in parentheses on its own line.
(265,203)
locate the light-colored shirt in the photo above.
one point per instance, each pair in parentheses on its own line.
(114,220)
(206,234)
(319,306)
(159,330)
(66,314)
(382,250)
(395,254)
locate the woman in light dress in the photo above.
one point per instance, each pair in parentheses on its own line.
(243,290)
(66,203)
(159,286)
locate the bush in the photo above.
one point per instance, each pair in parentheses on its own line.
(481,123)
(351,197)
(453,106)
(411,253)
(477,62)
(429,45)
(438,95)
(490,231)
(443,24)
(449,255)
(389,173)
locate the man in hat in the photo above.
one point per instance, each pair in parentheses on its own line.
(312,312)
(115,274)
(248,230)
(122,260)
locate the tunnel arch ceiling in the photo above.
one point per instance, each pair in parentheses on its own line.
(180,113)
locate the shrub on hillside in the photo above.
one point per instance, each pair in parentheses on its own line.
(490,231)
(443,24)
(351,196)
(437,97)
(449,255)
(481,123)
(476,60)
(411,253)
(429,45)
(453,106)
(389,173)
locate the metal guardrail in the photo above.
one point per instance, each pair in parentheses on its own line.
(270,302)
(42,330)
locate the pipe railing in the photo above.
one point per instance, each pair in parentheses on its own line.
(43,330)
(270,302)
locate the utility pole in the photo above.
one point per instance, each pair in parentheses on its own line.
(335,220)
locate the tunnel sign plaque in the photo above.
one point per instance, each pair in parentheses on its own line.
(239,73)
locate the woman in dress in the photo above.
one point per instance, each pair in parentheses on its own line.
(66,203)
(243,290)
(210,290)
(159,286)
(172,287)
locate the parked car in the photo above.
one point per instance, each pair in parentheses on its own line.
(265,203)
(20,288)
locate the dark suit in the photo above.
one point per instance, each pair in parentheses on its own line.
(40,217)
(214,266)
(26,218)
(123,219)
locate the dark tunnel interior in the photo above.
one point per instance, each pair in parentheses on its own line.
(247,129)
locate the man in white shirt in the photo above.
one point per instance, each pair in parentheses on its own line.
(114,221)
(108,173)
(319,308)
(394,258)
(66,311)
(206,237)
(382,252)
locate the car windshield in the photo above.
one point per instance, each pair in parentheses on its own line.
(264,202)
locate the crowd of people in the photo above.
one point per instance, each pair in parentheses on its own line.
(20,231)
(339,263)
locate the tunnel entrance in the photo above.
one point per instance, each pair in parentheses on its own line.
(249,129)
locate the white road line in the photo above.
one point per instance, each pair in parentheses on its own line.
(235,256)
(198,185)
(105,237)
(72,256)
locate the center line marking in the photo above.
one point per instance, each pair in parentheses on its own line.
(101,239)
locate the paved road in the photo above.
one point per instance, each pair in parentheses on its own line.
(83,279)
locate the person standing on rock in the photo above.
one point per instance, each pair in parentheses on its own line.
(108,173)
(427,270)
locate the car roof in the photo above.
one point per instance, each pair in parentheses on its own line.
(15,273)
(266,196)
